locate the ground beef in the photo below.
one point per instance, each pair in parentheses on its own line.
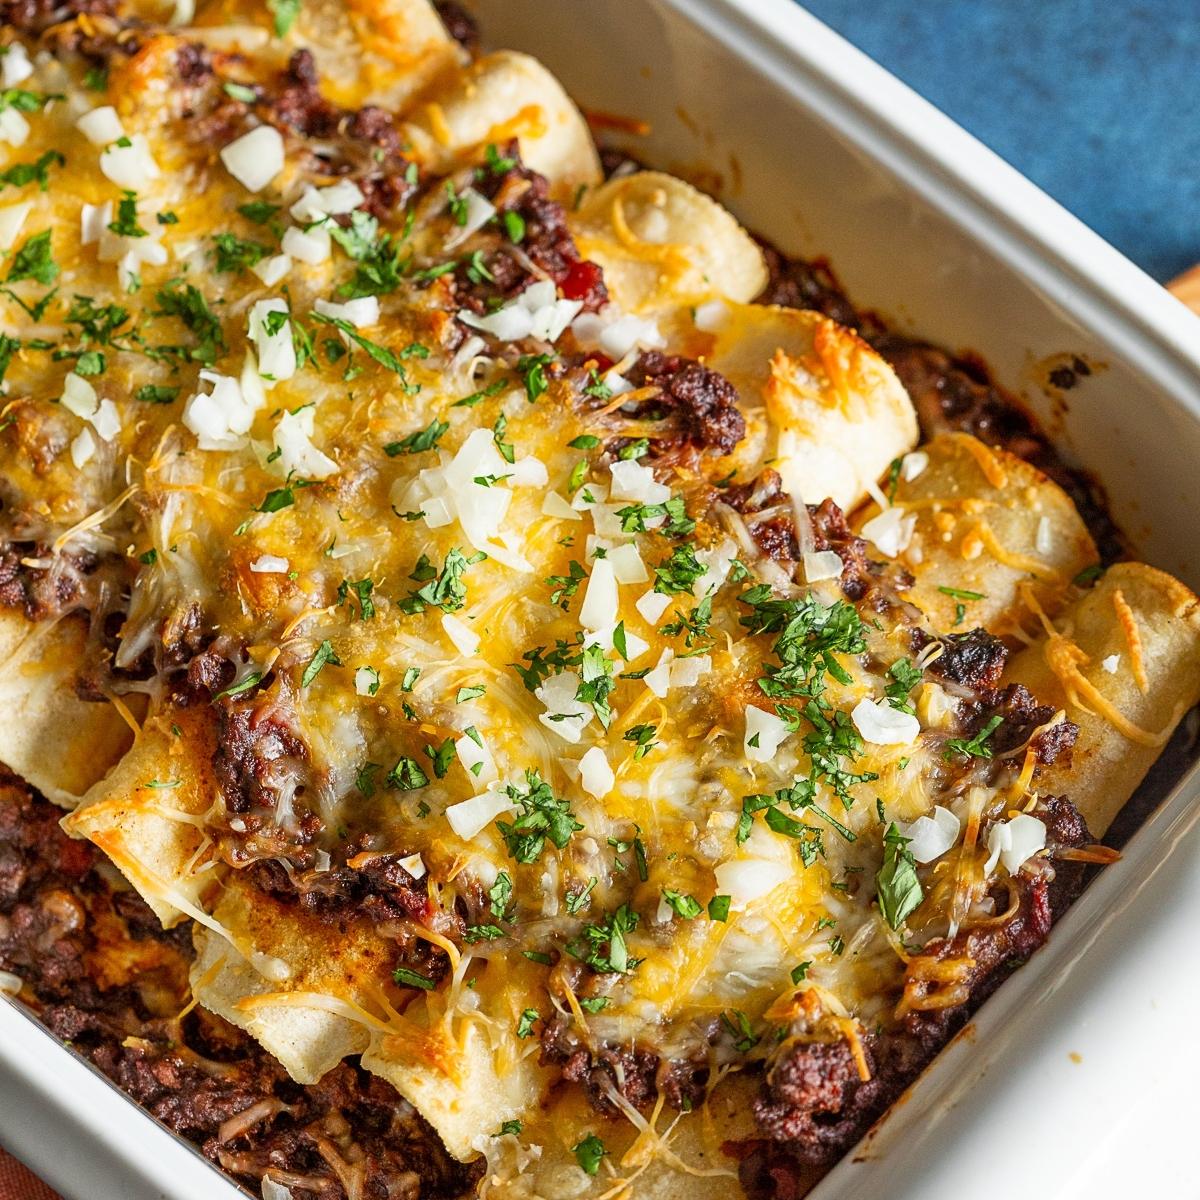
(635,1073)
(546,241)
(44,593)
(193,62)
(197,1073)
(1020,714)
(975,659)
(795,283)
(34,17)
(776,537)
(256,747)
(459,23)
(814,1105)
(697,405)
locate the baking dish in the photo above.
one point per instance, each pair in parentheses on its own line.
(927,227)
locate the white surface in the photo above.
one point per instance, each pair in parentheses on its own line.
(824,152)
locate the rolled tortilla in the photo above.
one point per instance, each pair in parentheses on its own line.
(836,412)
(147,813)
(503,96)
(986,522)
(50,737)
(1145,626)
(383,52)
(661,242)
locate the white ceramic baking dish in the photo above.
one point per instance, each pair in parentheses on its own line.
(1076,1078)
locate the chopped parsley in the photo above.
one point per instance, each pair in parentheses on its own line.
(418,442)
(237,254)
(588,1154)
(526,1023)
(325,655)
(532,368)
(678,573)
(407,775)
(444,589)
(543,816)
(899,889)
(974,747)
(34,260)
(603,947)
(20,174)
(685,906)
(408,978)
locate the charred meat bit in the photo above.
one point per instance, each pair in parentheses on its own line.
(547,242)
(795,283)
(459,23)
(697,405)
(34,17)
(1020,715)
(975,660)
(256,749)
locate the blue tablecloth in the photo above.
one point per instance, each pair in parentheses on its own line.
(1097,101)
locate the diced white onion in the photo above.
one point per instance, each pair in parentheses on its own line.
(10,984)
(468,818)
(478,211)
(414,864)
(745,880)
(477,760)
(1013,842)
(106,421)
(601,602)
(595,775)
(508,324)
(274,269)
(652,605)
(15,66)
(930,837)
(12,217)
(361,312)
(131,166)
(465,639)
(765,733)
(564,714)
(366,679)
(1111,663)
(341,197)
(913,464)
(94,220)
(79,397)
(83,447)
(293,440)
(658,678)
(101,126)
(711,315)
(14,129)
(822,564)
(312,246)
(255,158)
(270,564)
(276,353)
(891,530)
(632,481)
(687,672)
(627,564)
(882,725)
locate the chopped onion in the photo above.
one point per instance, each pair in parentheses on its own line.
(130,166)
(312,246)
(627,564)
(468,818)
(822,564)
(745,880)
(553,505)
(293,440)
(255,158)
(478,211)
(601,602)
(687,672)
(765,733)
(83,447)
(15,66)
(891,531)
(101,126)
(913,464)
(14,129)
(930,837)
(106,420)
(12,217)
(414,864)
(477,760)
(276,353)
(1111,663)
(658,678)
(270,564)
(1013,842)
(882,725)
(94,220)
(341,197)
(508,324)
(711,315)
(465,639)
(366,679)
(274,269)
(595,775)
(361,312)
(10,984)
(564,714)
(652,605)
(1043,541)
(79,397)
(632,481)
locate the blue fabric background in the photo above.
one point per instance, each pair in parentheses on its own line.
(1097,101)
